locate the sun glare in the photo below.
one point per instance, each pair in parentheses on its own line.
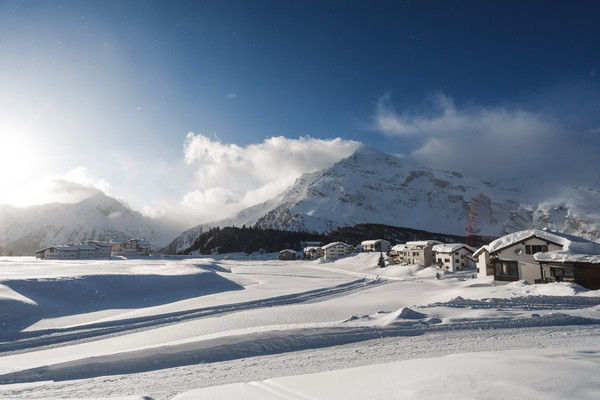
(19,164)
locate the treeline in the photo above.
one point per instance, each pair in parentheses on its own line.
(250,240)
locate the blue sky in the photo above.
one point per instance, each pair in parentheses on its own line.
(210,106)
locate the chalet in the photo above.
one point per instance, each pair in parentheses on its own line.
(381,245)
(454,256)
(537,256)
(417,252)
(578,262)
(131,247)
(287,254)
(335,250)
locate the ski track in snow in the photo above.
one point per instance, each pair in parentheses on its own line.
(33,339)
(519,318)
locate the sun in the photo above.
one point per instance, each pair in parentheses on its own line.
(19,164)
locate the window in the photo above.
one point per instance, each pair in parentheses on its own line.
(536,248)
(506,271)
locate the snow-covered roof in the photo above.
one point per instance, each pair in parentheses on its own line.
(288,251)
(422,243)
(371,242)
(399,247)
(451,247)
(559,238)
(327,246)
(480,250)
(574,248)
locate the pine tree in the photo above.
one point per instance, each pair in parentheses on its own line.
(381,262)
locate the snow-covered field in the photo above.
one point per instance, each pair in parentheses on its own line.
(253,327)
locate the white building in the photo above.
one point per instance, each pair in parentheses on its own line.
(76,251)
(335,250)
(484,265)
(417,252)
(375,245)
(454,256)
(131,247)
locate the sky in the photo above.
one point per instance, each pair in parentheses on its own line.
(193,110)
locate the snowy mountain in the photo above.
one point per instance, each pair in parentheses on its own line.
(373,187)
(25,230)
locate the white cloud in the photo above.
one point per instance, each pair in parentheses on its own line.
(231,96)
(73,186)
(230,177)
(498,141)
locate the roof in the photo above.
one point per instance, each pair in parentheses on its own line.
(399,247)
(451,247)
(368,242)
(481,250)
(561,239)
(327,246)
(288,251)
(423,243)
(574,248)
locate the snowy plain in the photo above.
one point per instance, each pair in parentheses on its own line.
(240,326)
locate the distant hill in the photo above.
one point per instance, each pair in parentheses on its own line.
(25,230)
(249,240)
(371,187)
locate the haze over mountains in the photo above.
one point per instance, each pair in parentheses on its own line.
(373,187)
(25,230)
(367,187)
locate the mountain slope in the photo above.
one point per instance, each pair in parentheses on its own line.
(378,188)
(25,230)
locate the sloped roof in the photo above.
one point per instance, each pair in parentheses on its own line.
(327,246)
(451,247)
(369,242)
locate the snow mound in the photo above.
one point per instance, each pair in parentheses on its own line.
(429,272)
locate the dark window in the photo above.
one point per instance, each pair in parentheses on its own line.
(506,271)
(536,248)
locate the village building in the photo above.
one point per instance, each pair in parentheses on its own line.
(313,252)
(336,250)
(287,254)
(131,247)
(380,245)
(484,266)
(417,252)
(397,251)
(454,256)
(76,251)
(538,256)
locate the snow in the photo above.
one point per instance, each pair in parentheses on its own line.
(236,327)
(532,374)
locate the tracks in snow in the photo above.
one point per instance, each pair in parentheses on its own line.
(51,337)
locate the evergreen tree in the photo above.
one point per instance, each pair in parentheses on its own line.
(381,262)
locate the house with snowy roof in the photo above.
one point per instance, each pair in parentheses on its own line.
(397,250)
(417,252)
(287,254)
(454,256)
(131,247)
(335,250)
(381,245)
(76,251)
(538,256)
